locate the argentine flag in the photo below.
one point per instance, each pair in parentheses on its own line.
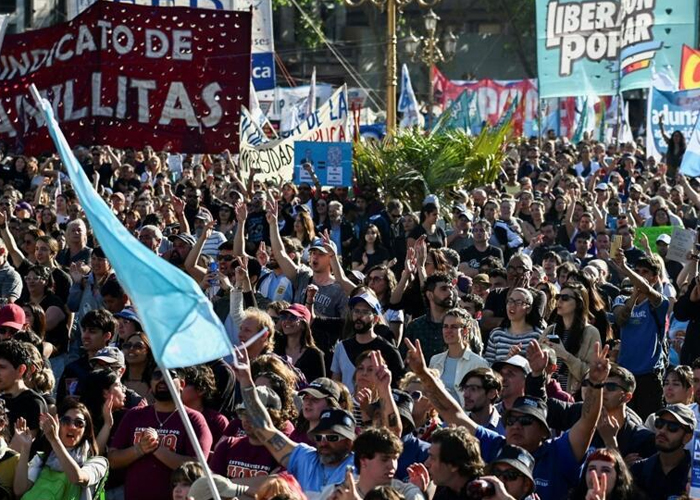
(691,159)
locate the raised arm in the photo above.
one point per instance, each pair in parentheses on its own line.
(179,207)
(390,417)
(288,267)
(581,434)
(449,409)
(406,277)
(193,269)
(279,445)
(639,283)
(239,237)
(569,218)
(15,253)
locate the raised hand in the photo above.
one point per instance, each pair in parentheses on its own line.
(271,213)
(515,350)
(107,409)
(261,255)
(49,426)
(414,357)
(241,212)
(241,365)
(347,489)
(23,438)
(178,205)
(381,376)
(410,262)
(599,364)
(311,292)
(536,357)
(418,476)
(599,485)
(208,229)
(608,426)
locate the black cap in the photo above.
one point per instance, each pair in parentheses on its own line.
(187,238)
(338,421)
(322,388)
(534,407)
(518,458)
(681,412)
(404,403)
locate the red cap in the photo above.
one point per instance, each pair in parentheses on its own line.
(13,316)
(300,311)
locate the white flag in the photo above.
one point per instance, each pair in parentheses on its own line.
(256,112)
(626,132)
(408,104)
(311,102)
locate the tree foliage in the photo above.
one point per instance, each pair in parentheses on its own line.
(414,164)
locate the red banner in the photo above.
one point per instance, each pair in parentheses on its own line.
(127,75)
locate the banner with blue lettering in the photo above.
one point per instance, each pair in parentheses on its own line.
(679,110)
(691,159)
(602,47)
(332,162)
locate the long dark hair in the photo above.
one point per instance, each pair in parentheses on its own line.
(624,486)
(150,360)
(93,392)
(89,434)
(581,317)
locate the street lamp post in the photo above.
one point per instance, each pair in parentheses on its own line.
(426,49)
(391,78)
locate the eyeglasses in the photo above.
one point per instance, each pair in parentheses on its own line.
(137,346)
(672,426)
(225,258)
(524,420)
(362,313)
(514,302)
(77,422)
(288,317)
(330,438)
(158,375)
(416,395)
(507,475)
(564,297)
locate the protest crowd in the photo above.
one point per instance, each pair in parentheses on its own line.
(527,341)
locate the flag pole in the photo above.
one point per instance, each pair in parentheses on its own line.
(190,431)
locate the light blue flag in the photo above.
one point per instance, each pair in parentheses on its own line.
(690,165)
(456,117)
(177,317)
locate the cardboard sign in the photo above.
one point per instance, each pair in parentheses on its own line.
(682,242)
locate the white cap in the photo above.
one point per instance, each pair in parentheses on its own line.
(665,238)
(431,198)
(603,186)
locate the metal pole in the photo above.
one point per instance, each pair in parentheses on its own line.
(391,79)
(431,96)
(190,432)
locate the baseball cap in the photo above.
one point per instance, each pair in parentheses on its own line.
(299,311)
(517,361)
(317,244)
(119,195)
(322,388)
(404,403)
(23,205)
(204,214)
(603,186)
(13,316)
(268,398)
(664,238)
(535,407)
(338,421)
(431,198)
(369,298)
(111,355)
(636,187)
(130,315)
(200,489)
(681,412)
(481,279)
(518,458)
(186,238)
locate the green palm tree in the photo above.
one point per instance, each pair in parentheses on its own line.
(415,164)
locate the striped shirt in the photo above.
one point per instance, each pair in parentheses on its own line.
(501,340)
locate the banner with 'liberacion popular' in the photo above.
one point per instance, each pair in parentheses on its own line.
(130,75)
(592,47)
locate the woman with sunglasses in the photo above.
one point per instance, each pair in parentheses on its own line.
(70,466)
(571,336)
(609,463)
(425,415)
(296,343)
(139,364)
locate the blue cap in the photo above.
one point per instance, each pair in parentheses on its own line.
(130,315)
(370,299)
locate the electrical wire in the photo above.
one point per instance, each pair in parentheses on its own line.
(343,62)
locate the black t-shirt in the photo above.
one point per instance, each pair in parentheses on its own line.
(28,405)
(436,240)
(311,363)
(473,257)
(58,336)
(380,255)
(390,354)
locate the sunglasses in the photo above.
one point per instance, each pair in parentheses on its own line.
(524,420)
(507,475)
(225,258)
(77,422)
(158,375)
(288,317)
(672,426)
(138,346)
(608,386)
(330,438)
(564,297)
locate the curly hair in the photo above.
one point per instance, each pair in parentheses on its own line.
(461,450)
(201,378)
(283,380)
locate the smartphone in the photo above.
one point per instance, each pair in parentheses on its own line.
(615,245)
(554,339)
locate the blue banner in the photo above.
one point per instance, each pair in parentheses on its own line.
(679,110)
(589,47)
(332,162)
(263,71)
